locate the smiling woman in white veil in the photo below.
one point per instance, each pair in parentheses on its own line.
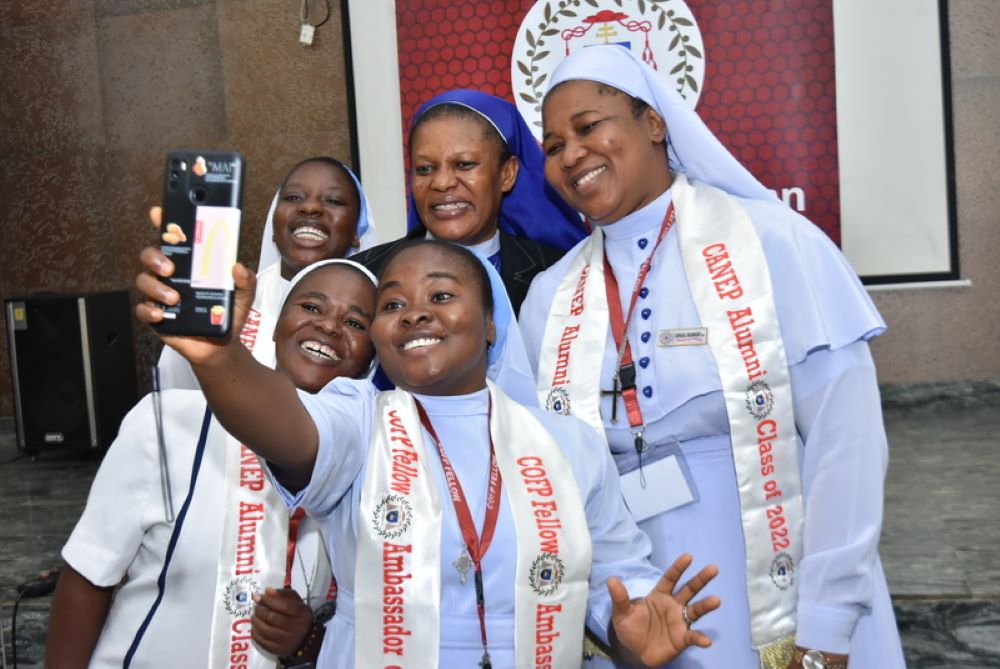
(320,211)
(720,342)
(395,478)
(173,541)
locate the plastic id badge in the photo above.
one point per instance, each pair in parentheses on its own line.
(667,487)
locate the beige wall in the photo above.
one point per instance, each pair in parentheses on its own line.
(94,92)
(954,333)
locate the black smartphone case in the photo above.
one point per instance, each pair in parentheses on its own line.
(203,198)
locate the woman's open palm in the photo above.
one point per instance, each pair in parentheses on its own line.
(656,628)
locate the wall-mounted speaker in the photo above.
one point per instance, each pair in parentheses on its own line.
(73,369)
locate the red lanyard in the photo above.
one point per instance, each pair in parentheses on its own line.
(293,537)
(475,544)
(625,373)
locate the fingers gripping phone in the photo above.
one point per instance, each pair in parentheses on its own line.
(203,196)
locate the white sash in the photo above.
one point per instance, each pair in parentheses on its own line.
(398,577)
(255,525)
(731,287)
(568,382)
(258,331)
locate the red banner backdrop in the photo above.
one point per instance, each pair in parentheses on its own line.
(769,91)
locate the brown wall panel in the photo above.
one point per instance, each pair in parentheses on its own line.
(94,92)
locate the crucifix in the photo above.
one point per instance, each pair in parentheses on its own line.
(462,564)
(623,380)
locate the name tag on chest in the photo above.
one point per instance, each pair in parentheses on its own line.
(682,337)
(657,488)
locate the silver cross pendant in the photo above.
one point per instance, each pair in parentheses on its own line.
(463,564)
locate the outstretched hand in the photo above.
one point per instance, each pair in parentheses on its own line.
(654,629)
(155,265)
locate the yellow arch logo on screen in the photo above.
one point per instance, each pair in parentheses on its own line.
(216,241)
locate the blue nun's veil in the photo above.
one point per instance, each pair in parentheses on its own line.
(507,361)
(532,209)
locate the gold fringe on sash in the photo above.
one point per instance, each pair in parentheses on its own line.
(777,654)
(594,647)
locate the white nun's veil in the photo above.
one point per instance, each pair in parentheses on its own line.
(691,146)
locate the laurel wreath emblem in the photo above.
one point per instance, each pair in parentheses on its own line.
(378,517)
(550,561)
(759,399)
(783,570)
(679,45)
(237,598)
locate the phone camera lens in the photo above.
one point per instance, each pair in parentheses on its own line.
(199,194)
(174,174)
(175,162)
(173,185)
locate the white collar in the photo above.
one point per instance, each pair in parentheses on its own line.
(453,405)
(486,249)
(639,222)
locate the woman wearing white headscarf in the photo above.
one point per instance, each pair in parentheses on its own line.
(179,534)
(720,342)
(464,526)
(320,211)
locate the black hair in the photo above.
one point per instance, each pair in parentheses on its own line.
(327,160)
(638,106)
(455,110)
(462,255)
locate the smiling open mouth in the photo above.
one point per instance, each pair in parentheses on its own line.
(320,350)
(420,343)
(311,233)
(589,176)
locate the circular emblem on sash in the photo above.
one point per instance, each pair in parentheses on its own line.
(558,401)
(546,574)
(238,596)
(783,570)
(759,399)
(392,516)
(664,34)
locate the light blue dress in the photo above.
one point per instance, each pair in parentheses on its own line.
(333,497)
(826,321)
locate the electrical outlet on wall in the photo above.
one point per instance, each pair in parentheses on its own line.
(306,34)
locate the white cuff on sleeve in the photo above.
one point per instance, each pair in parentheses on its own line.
(826,627)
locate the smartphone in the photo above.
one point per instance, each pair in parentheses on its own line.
(200,230)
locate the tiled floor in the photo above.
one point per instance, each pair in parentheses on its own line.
(941,535)
(941,538)
(940,541)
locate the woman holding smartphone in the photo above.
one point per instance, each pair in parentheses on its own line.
(466,528)
(319,211)
(163,562)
